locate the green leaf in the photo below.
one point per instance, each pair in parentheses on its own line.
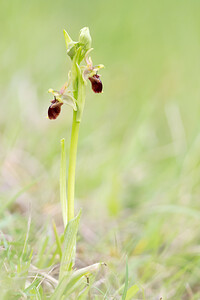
(68,284)
(69,245)
(88,270)
(126,282)
(66,287)
(84,294)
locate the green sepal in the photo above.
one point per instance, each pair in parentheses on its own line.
(69,100)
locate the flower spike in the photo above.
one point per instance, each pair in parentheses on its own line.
(73,91)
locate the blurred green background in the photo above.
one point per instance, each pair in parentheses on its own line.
(138,167)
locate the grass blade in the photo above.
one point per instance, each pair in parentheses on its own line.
(58,243)
(8,203)
(126,281)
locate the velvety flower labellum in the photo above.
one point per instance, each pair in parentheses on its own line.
(54,109)
(97,85)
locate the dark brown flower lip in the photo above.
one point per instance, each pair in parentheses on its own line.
(54,109)
(96,83)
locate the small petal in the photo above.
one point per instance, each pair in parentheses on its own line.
(97,85)
(54,109)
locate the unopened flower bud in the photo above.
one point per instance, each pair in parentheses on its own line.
(54,109)
(85,38)
(97,85)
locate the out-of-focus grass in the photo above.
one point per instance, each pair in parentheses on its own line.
(138,158)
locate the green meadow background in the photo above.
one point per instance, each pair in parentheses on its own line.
(138,167)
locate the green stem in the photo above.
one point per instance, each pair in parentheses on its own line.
(72,167)
(63,196)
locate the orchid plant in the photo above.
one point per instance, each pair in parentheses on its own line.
(73,94)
